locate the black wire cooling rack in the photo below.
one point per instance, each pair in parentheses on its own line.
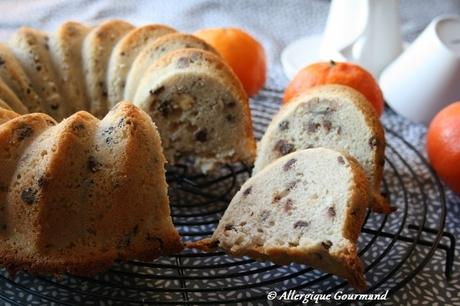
(394,248)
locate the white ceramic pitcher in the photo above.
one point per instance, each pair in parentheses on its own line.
(366,32)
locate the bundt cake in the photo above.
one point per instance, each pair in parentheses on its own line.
(200,108)
(306,207)
(331,116)
(78,195)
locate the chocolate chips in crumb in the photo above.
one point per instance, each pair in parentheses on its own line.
(23,132)
(341,160)
(300,224)
(326,244)
(283,147)
(157,91)
(373,142)
(28,196)
(247,191)
(93,164)
(331,212)
(283,125)
(289,164)
(201,135)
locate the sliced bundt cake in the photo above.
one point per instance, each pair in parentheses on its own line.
(78,195)
(14,76)
(97,47)
(31,48)
(10,100)
(65,48)
(156,49)
(331,116)
(200,108)
(124,54)
(306,207)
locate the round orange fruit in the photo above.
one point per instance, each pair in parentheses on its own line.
(243,53)
(443,145)
(342,73)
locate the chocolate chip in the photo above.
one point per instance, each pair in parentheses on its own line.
(122,53)
(42,181)
(165,108)
(341,160)
(301,223)
(201,135)
(276,198)
(230,117)
(230,104)
(283,125)
(157,91)
(373,142)
(291,185)
(288,205)
(2,61)
(93,165)
(183,62)
(78,127)
(264,215)
(108,131)
(331,212)
(121,123)
(289,164)
(28,196)
(228,227)
(54,106)
(38,68)
(247,191)
(23,132)
(283,147)
(327,125)
(312,127)
(339,130)
(326,244)
(108,140)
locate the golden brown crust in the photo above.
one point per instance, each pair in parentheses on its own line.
(31,48)
(6,115)
(97,47)
(14,76)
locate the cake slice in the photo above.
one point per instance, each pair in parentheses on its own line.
(200,108)
(330,116)
(97,47)
(14,76)
(306,207)
(65,49)
(31,48)
(157,49)
(10,99)
(124,54)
